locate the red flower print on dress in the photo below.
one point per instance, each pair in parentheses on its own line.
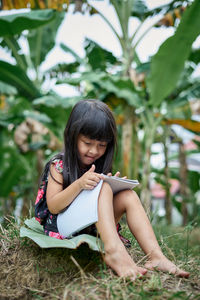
(39,195)
(56,235)
(58,165)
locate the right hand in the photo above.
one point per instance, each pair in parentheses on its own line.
(90,179)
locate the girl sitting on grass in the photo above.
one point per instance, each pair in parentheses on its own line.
(89,144)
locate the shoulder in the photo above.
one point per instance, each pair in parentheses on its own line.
(58,165)
(56,171)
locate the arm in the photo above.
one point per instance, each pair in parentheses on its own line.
(58,199)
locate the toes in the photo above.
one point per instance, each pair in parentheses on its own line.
(149,266)
(142,271)
(183,274)
(179,273)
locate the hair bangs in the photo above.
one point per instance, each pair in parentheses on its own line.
(97,127)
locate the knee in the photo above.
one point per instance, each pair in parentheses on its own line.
(129,198)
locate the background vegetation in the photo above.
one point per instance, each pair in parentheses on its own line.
(146,98)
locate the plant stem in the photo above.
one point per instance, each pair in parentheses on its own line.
(19,60)
(109,24)
(38,52)
(150,126)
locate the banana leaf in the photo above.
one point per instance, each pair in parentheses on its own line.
(16,23)
(15,76)
(7,89)
(12,168)
(39,44)
(98,57)
(168,63)
(122,88)
(36,233)
(67,49)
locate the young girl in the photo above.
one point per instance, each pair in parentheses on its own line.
(89,144)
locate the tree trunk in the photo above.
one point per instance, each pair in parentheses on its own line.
(127,135)
(168,200)
(150,125)
(40,162)
(136,150)
(183,182)
(146,171)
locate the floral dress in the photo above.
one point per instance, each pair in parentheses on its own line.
(42,214)
(49,220)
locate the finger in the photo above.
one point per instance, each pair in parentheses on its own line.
(98,176)
(124,177)
(117,174)
(89,187)
(92,182)
(109,174)
(92,168)
(95,177)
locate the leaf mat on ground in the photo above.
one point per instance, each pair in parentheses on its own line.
(36,233)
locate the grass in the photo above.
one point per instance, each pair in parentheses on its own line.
(29,272)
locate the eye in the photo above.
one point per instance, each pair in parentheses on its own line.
(103,145)
(87,143)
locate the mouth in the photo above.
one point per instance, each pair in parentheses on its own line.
(90,157)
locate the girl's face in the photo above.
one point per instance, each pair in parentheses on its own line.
(90,150)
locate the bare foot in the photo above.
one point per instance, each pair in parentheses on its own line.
(165,265)
(121,262)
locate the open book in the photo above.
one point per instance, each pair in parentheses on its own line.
(119,184)
(83,211)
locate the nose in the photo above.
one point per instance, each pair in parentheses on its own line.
(93,150)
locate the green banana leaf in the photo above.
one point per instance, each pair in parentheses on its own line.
(11,44)
(195,56)
(7,89)
(168,63)
(36,233)
(16,23)
(15,76)
(67,49)
(98,57)
(139,9)
(12,168)
(56,100)
(61,69)
(39,44)
(57,109)
(121,87)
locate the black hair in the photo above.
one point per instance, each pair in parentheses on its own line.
(95,120)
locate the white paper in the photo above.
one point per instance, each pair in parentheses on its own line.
(119,184)
(82,212)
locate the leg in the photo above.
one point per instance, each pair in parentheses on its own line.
(116,255)
(138,222)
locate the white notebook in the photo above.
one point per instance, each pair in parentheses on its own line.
(83,211)
(119,184)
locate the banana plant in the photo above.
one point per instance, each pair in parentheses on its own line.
(20,84)
(25,104)
(171,54)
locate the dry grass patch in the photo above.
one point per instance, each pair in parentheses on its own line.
(29,272)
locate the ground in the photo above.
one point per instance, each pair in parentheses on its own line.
(29,272)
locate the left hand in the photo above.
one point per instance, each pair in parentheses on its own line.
(116,174)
